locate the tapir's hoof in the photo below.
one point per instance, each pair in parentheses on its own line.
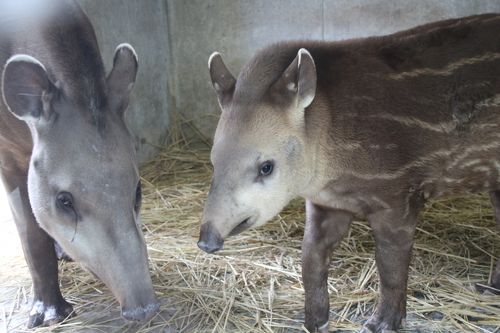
(369,330)
(366,329)
(47,315)
(378,325)
(321,329)
(324,328)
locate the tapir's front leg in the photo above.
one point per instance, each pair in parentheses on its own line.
(394,230)
(48,304)
(324,230)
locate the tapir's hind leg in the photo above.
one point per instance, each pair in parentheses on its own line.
(495,201)
(325,229)
(48,304)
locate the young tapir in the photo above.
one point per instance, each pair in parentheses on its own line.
(67,159)
(367,127)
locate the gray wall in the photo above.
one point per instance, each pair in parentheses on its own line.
(174,39)
(143,24)
(238,28)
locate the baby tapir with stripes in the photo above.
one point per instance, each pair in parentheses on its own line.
(367,128)
(67,159)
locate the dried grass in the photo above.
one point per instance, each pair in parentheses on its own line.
(254,285)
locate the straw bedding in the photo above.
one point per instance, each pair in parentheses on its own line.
(254,284)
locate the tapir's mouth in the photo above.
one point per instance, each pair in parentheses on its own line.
(246,224)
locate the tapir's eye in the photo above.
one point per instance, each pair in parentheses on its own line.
(266,168)
(64,201)
(138,197)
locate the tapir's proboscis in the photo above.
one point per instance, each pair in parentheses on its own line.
(368,128)
(67,159)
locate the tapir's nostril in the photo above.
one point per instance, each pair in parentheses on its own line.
(209,247)
(210,240)
(141,313)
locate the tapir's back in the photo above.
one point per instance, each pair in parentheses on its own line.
(420,107)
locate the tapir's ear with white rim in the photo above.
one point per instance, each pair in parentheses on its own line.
(26,88)
(222,79)
(298,82)
(122,77)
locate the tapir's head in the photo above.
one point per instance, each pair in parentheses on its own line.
(259,151)
(83,180)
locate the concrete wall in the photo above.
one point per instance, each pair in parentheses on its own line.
(174,39)
(238,28)
(143,24)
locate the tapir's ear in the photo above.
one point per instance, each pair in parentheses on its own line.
(298,81)
(122,77)
(222,79)
(27,90)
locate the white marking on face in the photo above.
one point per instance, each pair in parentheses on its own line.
(291,86)
(265,209)
(217,86)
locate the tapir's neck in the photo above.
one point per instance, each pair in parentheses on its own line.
(317,171)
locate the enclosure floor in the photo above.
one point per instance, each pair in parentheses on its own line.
(254,284)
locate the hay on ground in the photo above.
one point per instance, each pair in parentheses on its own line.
(254,284)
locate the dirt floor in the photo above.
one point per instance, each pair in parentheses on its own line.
(254,284)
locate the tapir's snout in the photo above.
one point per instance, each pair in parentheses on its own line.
(210,239)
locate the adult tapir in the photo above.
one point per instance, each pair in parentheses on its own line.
(368,127)
(67,159)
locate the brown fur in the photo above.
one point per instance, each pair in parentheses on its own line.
(395,120)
